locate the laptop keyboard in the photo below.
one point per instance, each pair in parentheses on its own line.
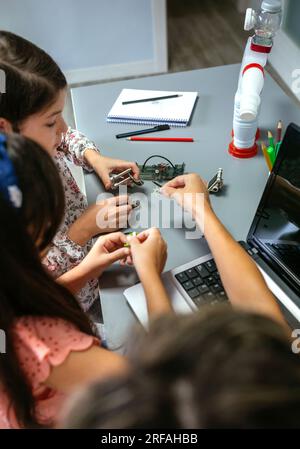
(203,284)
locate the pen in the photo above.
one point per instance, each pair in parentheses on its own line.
(143,131)
(160,139)
(266,155)
(166,97)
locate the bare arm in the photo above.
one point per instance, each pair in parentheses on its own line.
(74,280)
(243,282)
(149,254)
(157,299)
(241,278)
(106,250)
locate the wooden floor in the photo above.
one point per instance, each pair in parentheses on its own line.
(208,33)
(204,33)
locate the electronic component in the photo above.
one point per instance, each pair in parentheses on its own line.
(125,177)
(216,183)
(162,171)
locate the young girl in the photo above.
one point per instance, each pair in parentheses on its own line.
(50,344)
(32,106)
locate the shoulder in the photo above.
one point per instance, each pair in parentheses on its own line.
(42,342)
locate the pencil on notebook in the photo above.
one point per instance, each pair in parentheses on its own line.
(266,155)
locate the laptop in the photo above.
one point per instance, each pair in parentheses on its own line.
(273,242)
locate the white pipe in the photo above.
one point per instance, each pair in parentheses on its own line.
(251,86)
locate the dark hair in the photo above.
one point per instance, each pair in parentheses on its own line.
(26,289)
(33,79)
(43,202)
(218,369)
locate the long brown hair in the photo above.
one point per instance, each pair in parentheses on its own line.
(25,286)
(33,79)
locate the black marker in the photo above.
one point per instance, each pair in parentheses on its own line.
(143,131)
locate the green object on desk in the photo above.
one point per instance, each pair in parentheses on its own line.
(272,154)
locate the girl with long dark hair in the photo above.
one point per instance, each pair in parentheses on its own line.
(50,344)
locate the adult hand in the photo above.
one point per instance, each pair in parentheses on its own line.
(188,190)
(148,252)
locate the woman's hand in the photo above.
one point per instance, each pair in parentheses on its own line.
(149,255)
(104,166)
(107,216)
(189,191)
(106,250)
(148,252)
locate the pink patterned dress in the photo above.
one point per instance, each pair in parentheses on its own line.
(42,343)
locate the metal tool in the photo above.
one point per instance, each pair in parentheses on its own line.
(125,177)
(216,183)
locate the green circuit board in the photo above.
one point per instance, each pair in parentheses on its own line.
(161,172)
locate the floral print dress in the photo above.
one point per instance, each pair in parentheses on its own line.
(65,254)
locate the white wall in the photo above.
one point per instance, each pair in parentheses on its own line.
(285,55)
(93,39)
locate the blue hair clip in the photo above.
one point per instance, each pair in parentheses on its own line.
(9,185)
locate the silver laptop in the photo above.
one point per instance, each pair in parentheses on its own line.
(273,242)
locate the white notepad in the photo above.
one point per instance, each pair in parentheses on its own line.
(172,111)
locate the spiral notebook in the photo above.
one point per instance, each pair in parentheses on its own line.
(173,111)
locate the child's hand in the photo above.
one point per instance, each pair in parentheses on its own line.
(104,166)
(108,216)
(148,252)
(107,250)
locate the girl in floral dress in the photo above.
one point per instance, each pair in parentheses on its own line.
(32,106)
